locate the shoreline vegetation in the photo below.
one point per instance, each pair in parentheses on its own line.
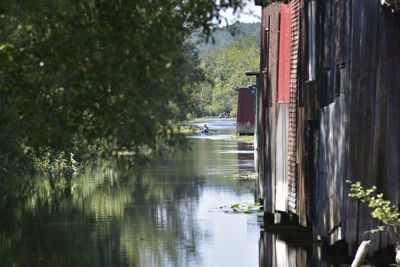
(96,105)
(72,106)
(53,174)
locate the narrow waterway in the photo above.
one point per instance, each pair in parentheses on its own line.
(173,212)
(168,215)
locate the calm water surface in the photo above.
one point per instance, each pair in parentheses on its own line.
(168,215)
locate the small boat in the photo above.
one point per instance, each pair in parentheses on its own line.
(204,131)
(223,115)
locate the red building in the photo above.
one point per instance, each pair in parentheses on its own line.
(278,107)
(245,111)
(329,111)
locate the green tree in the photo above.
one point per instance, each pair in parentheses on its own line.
(75,74)
(225,36)
(224,70)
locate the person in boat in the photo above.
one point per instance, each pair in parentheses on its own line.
(205,128)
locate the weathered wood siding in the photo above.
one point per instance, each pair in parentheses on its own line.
(332,169)
(268,96)
(374,110)
(357,87)
(345,124)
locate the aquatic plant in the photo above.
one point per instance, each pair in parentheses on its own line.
(382,210)
(249,176)
(244,138)
(243,208)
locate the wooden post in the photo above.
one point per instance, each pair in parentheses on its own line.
(361,253)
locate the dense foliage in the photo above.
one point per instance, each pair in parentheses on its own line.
(224,37)
(79,74)
(225,71)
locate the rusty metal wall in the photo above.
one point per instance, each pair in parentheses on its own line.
(285,38)
(279,58)
(245,117)
(272,15)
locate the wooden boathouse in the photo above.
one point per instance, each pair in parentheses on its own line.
(245,118)
(329,110)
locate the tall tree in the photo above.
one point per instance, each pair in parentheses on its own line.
(76,72)
(224,70)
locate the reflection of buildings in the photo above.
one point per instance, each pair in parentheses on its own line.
(276,252)
(245,158)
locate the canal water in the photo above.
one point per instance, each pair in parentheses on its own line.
(172,212)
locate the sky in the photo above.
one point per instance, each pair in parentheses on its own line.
(251,13)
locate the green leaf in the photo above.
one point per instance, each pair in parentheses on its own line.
(235,206)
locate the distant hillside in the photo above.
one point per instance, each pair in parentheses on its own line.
(226,36)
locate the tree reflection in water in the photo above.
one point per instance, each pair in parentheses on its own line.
(117,216)
(113,217)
